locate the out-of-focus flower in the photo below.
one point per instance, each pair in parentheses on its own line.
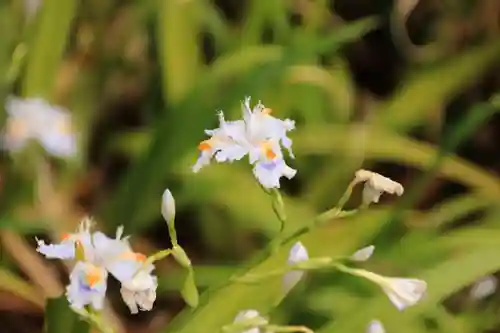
(297,254)
(87,286)
(259,135)
(168,206)
(35,119)
(363,254)
(484,287)
(375,185)
(251,314)
(375,326)
(31,8)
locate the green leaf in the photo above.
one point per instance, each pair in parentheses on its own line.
(223,184)
(443,280)
(189,291)
(219,305)
(22,225)
(434,87)
(59,318)
(178,33)
(15,285)
(47,47)
(347,33)
(384,146)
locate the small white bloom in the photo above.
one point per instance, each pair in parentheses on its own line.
(375,185)
(297,254)
(35,119)
(375,326)
(403,292)
(87,286)
(168,206)
(259,135)
(484,287)
(363,254)
(250,314)
(102,255)
(139,286)
(140,292)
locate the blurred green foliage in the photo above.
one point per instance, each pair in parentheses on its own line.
(174,63)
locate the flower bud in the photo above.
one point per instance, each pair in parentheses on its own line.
(484,287)
(297,254)
(375,185)
(375,326)
(168,207)
(363,254)
(404,292)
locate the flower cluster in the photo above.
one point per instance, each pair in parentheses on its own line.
(96,256)
(35,119)
(258,135)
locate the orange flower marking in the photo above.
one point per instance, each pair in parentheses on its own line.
(268,150)
(267,111)
(134,256)
(93,276)
(16,127)
(205,145)
(64,127)
(65,236)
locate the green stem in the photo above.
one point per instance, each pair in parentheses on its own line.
(155,257)
(94,319)
(360,273)
(287,329)
(345,197)
(279,210)
(306,265)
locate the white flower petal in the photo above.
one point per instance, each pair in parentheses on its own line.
(404,292)
(119,258)
(203,160)
(249,314)
(484,287)
(139,293)
(375,185)
(64,250)
(363,254)
(375,326)
(269,173)
(31,8)
(87,286)
(297,254)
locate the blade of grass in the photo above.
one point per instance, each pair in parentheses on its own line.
(47,47)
